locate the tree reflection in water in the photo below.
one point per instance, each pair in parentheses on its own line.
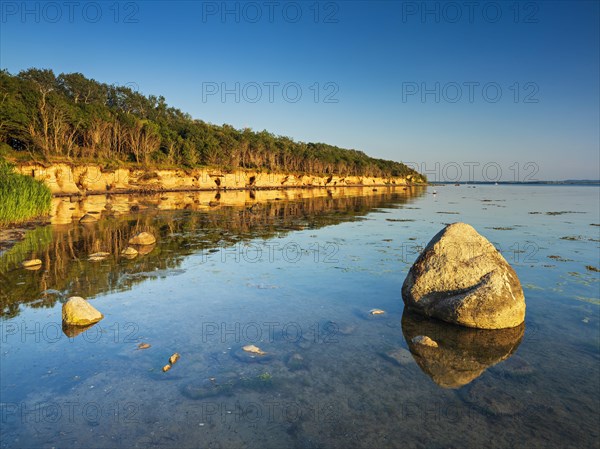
(184,223)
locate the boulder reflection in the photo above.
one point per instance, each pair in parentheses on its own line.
(74,331)
(463,354)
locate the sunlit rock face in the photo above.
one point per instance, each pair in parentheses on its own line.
(65,179)
(462,354)
(461,278)
(78,312)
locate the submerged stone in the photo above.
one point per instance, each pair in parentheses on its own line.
(494,400)
(400,356)
(331,329)
(253,349)
(221,384)
(296,362)
(425,341)
(516,366)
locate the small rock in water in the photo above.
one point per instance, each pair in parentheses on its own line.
(494,400)
(88,218)
(249,354)
(400,356)
(344,329)
(98,256)
(517,366)
(142,238)
(253,349)
(129,252)
(425,341)
(78,312)
(376,312)
(296,362)
(33,264)
(166,368)
(331,329)
(144,346)
(173,359)
(209,387)
(304,343)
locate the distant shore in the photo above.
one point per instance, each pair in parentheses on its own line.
(568,182)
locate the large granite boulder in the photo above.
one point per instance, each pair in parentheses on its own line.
(78,312)
(461,278)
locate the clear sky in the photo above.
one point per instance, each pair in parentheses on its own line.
(458,89)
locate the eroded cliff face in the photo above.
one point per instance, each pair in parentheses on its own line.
(64,179)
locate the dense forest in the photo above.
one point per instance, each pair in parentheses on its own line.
(72,117)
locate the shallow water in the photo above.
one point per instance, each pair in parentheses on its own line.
(296,273)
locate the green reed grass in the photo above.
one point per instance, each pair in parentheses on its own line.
(21,197)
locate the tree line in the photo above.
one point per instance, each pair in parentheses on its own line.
(71,116)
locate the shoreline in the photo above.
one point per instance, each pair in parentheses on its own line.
(150,191)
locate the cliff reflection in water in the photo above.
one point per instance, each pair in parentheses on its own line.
(463,354)
(184,223)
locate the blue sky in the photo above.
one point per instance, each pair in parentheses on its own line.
(507,89)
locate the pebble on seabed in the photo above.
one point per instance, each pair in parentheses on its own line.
(376,312)
(253,349)
(400,356)
(425,341)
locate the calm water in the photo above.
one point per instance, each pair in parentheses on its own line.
(295,273)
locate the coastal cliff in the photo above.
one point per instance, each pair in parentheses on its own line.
(65,179)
